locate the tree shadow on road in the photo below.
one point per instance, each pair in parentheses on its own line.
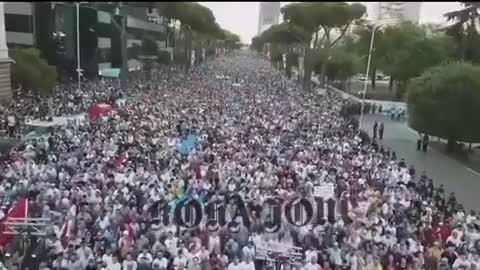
(468,157)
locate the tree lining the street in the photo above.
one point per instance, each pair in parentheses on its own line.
(464,30)
(32,72)
(319,20)
(198,29)
(287,36)
(444,100)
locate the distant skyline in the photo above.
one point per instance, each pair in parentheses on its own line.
(242,17)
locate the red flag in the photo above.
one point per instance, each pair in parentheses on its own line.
(97,110)
(131,231)
(120,160)
(20,210)
(66,232)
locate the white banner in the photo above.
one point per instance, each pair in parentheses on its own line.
(264,248)
(325,191)
(284,58)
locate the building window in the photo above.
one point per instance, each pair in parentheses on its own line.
(18,23)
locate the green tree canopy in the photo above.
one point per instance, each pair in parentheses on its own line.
(405,51)
(444,100)
(464,30)
(232,41)
(201,21)
(323,17)
(286,36)
(320,20)
(284,33)
(198,17)
(32,72)
(342,64)
(257,43)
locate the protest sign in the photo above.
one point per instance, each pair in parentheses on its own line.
(325,191)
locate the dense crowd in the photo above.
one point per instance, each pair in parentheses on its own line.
(67,99)
(102,183)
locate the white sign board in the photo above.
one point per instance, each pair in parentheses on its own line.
(263,247)
(325,191)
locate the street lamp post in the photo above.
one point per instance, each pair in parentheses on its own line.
(365,84)
(79,69)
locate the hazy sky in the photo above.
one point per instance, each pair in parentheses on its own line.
(242,17)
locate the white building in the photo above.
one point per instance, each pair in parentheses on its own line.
(392,13)
(5,61)
(269,14)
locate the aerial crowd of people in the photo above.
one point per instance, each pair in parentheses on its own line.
(102,184)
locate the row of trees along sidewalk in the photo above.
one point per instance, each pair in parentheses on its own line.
(308,27)
(425,63)
(199,30)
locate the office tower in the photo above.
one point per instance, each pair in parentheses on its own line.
(269,14)
(5,61)
(391,13)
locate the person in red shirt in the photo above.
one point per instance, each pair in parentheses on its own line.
(428,236)
(445,230)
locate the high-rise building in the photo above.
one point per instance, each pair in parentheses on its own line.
(51,28)
(391,13)
(269,15)
(5,61)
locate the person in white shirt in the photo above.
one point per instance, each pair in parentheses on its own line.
(145,257)
(235,265)
(129,263)
(475,260)
(194,264)
(454,239)
(11,125)
(107,257)
(312,265)
(311,254)
(461,262)
(171,244)
(180,260)
(214,244)
(248,250)
(161,261)
(247,264)
(114,264)
(335,255)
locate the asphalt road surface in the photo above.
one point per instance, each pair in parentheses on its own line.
(456,177)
